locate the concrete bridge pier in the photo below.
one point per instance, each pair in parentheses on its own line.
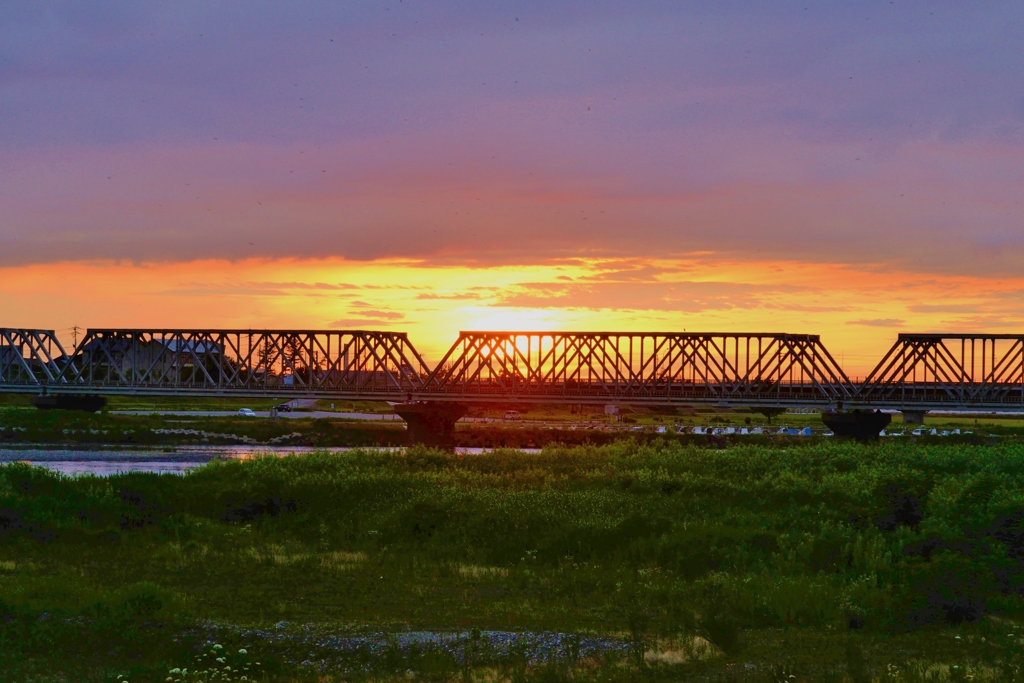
(913,417)
(862,425)
(431,423)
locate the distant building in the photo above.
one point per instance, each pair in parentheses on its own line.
(11,364)
(151,357)
(10,355)
(190,347)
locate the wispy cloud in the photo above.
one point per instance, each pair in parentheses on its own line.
(878,322)
(464,295)
(944,308)
(317,286)
(371,316)
(254,288)
(639,295)
(984,323)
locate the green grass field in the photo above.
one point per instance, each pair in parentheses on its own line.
(831,561)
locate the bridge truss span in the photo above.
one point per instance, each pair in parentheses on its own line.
(935,371)
(920,372)
(729,368)
(243,362)
(30,357)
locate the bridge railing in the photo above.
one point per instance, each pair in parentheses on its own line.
(311,361)
(759,367)
(949,369)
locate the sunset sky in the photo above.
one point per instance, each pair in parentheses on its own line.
(848,169)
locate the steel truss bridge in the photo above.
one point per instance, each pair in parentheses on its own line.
(920,372)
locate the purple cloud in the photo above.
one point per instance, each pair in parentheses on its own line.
(460,132)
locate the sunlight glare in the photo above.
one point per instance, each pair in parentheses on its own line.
(514,319)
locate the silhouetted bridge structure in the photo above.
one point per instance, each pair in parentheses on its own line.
(920,372)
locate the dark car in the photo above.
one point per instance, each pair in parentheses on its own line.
(283,408)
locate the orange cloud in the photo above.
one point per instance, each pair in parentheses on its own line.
(857,311)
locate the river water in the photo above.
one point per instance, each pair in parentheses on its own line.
(104,462)
(180,459)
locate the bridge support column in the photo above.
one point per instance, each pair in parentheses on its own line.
(862,425)
(913,417)
(431,423)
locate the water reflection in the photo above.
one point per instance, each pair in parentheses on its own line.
(170,461)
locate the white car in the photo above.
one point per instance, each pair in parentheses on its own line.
(246,412)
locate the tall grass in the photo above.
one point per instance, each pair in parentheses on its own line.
(776,556)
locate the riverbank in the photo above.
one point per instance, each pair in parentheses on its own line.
(27,427)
